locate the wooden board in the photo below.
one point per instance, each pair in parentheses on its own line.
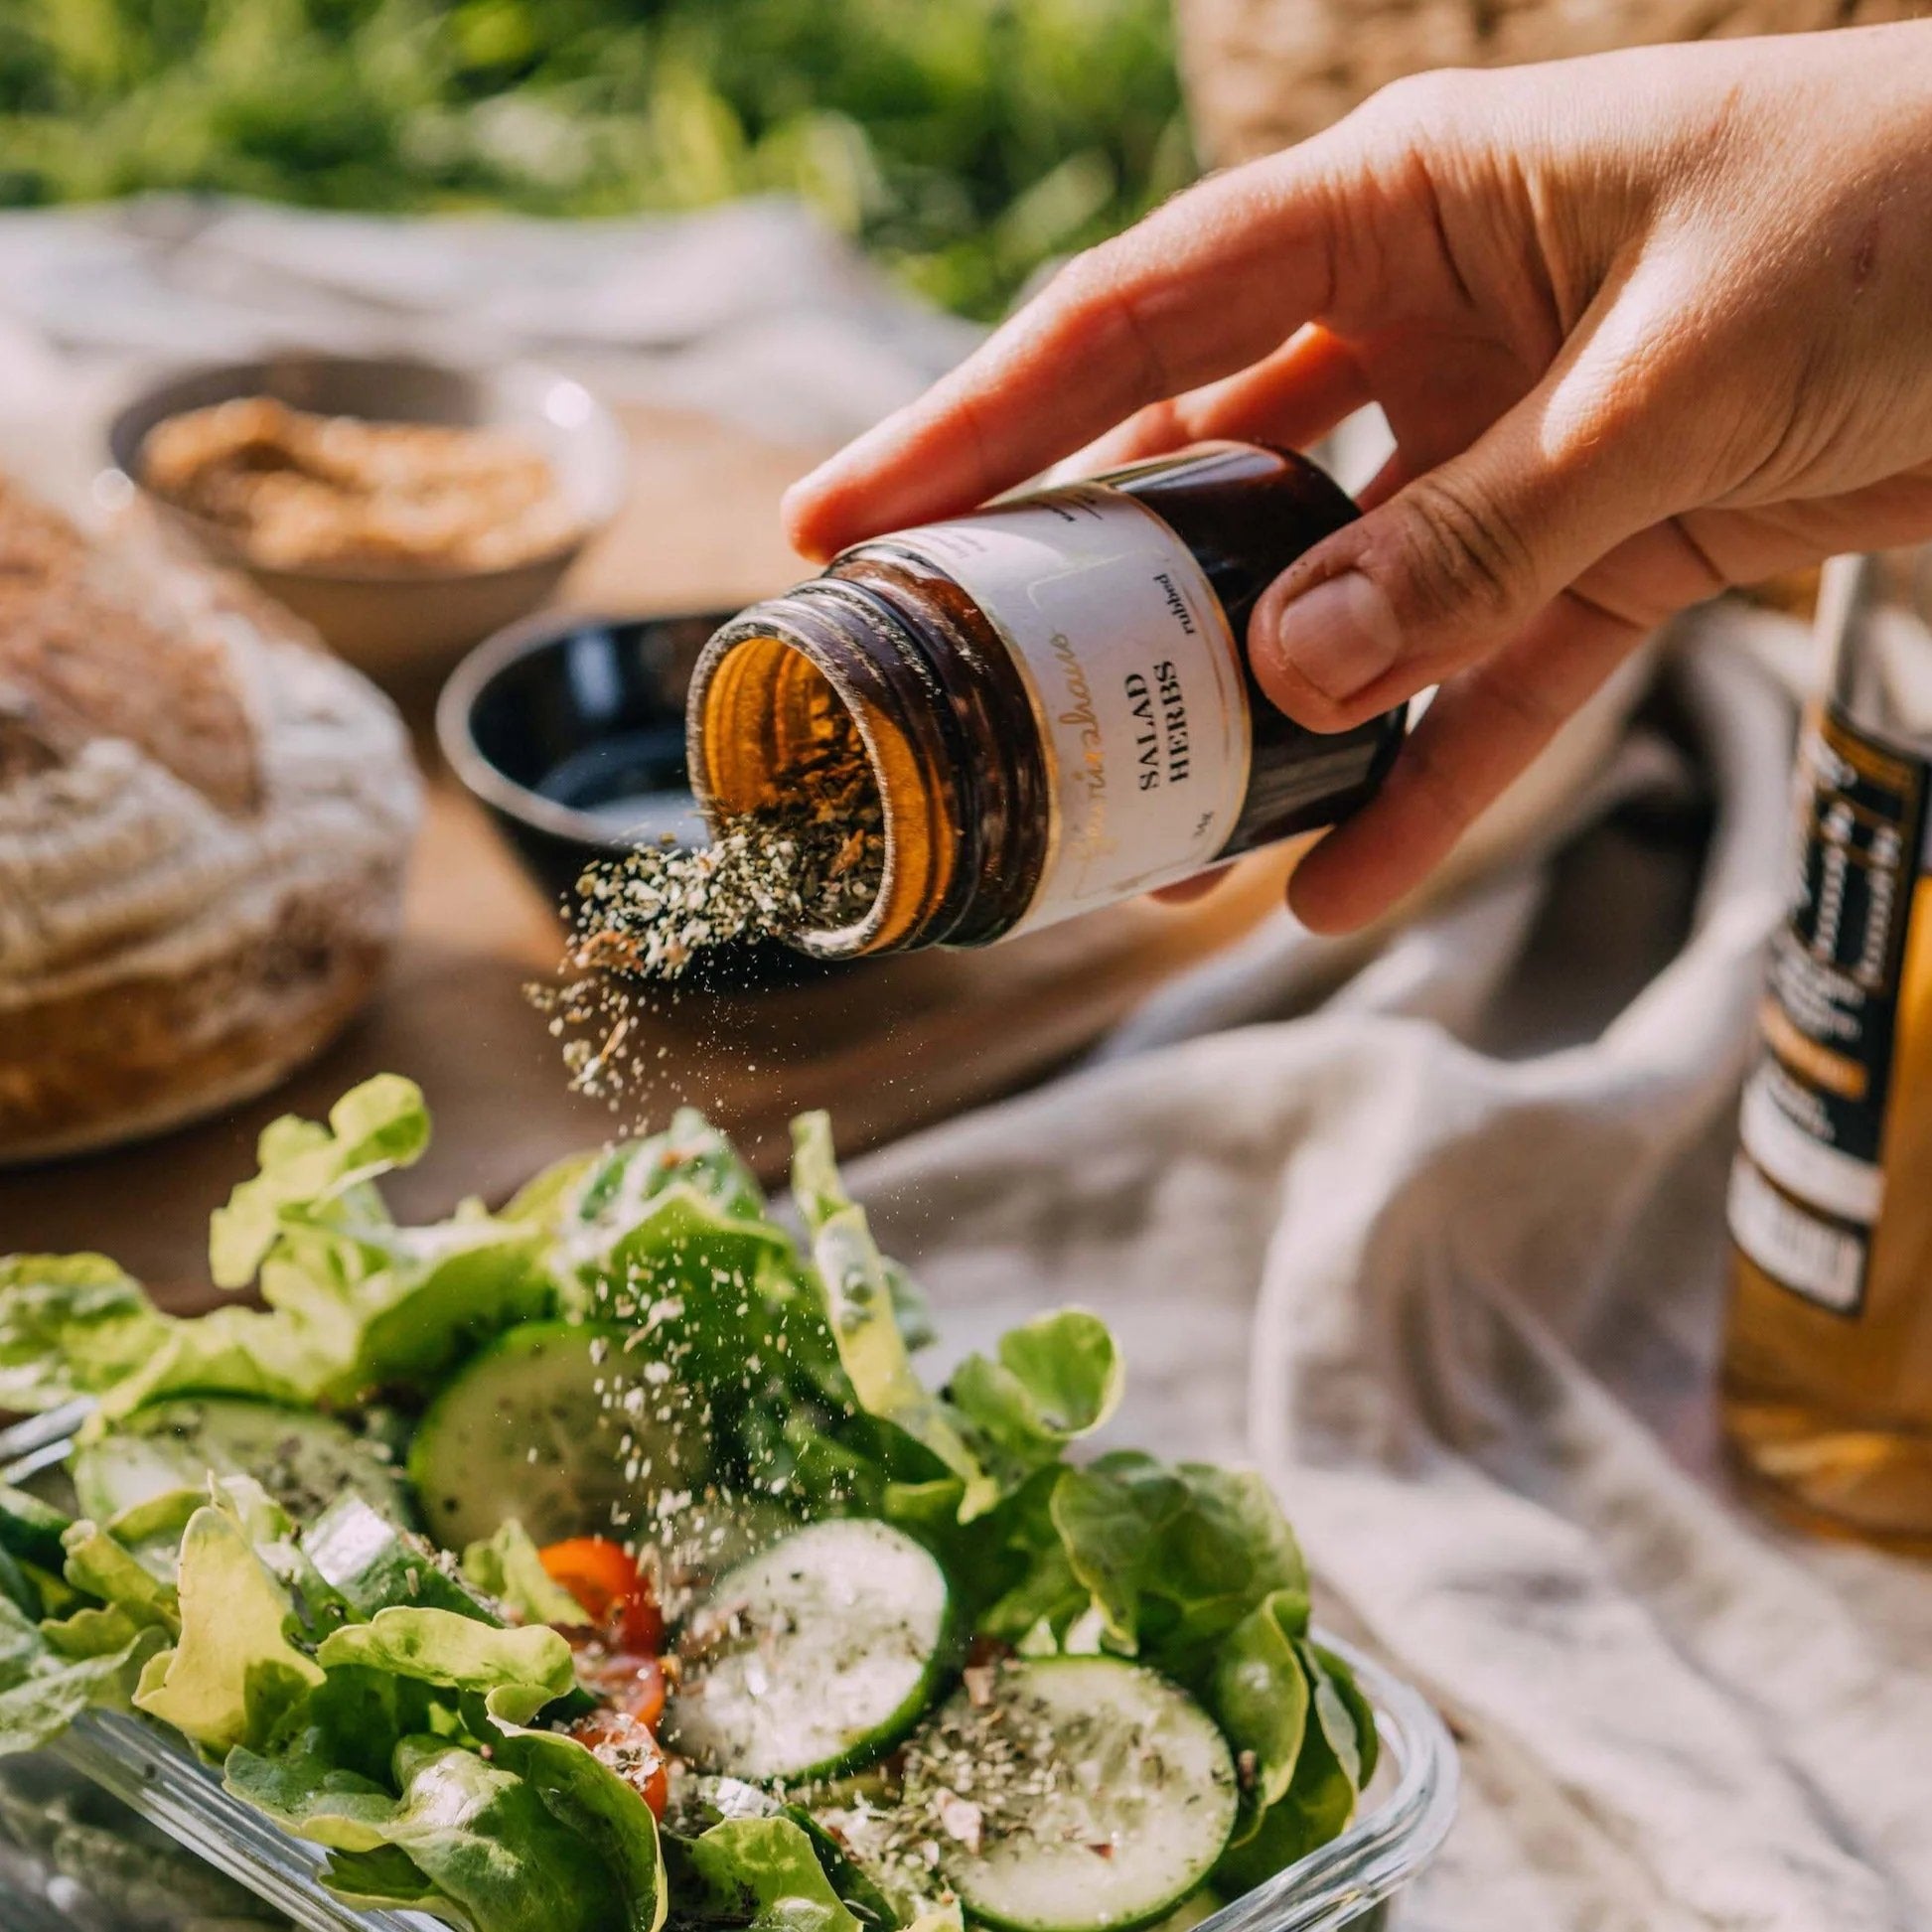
(887,1046)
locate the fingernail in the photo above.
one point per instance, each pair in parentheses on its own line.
(1339,636)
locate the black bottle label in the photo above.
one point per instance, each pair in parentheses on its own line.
(1807,1189)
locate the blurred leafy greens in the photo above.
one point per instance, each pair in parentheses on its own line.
(962,144)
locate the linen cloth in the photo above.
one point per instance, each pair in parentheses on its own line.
(1443,1253)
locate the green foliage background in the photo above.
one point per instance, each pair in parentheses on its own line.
(964,141)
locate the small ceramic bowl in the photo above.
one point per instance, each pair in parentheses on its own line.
(570,730)
(395,622)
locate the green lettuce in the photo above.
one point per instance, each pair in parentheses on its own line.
(319,1180)
(389,1880)
(1047,1384)
(1260,1693)
(498,1855)
(234,1677)
(762,1874)
(515,1671)
(587,1794)
(860,1311)
(100,1566)
(43,1691)
(677,1211)
(353,1301)
(539,1837)
(71,1326)
(1165,1557)
(1335,1763)
(311,1798)
(270,1355)
(712,1800)
(508,1567)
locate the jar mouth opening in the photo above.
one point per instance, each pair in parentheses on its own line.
(759,699)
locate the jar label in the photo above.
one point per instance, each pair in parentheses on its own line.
(1807,1189)
(1134,677)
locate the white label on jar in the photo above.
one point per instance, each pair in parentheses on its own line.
(1135,678)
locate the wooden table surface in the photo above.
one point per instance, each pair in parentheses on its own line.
(887,1046)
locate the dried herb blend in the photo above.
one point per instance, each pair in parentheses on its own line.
(812,863)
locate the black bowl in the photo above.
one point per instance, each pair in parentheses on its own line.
(570,730)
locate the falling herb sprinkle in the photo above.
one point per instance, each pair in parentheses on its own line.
(812,861)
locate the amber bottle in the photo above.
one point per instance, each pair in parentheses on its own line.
(1053,694)
(1827,1365)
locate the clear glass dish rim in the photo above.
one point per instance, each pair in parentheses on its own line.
(1380,1854)
(163,1781)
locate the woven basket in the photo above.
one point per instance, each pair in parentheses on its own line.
(1261,74)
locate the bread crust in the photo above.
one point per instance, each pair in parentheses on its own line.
(204,827)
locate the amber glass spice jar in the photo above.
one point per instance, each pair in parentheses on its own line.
(1053,694)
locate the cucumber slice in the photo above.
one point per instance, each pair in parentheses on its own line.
(303,1460)
(1075,1794)
(375,1565)
(814,1656)
(554,1425)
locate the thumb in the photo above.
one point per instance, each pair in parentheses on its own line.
(1460,558)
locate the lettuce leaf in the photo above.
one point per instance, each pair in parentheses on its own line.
(515,1671)
(1295,1708)
(583,1791)
(388,1879)
(100,1566)
(354,1302)
(859,1308)
(1172,1559)
(762,1874)
(1320,1797)
(1261,1694)
(355,1717)
(438,1293)
(71,1326)
(1049,1381)
(234,1677)
(317,1177)
(673,1213)
(311,1798)
(497,1856)
(42,1690)
(508,1567)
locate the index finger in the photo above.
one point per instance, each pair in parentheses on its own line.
(1202,287)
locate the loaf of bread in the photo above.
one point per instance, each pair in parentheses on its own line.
(203,823)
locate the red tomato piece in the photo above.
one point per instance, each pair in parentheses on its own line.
(616,1595)
(630,1750)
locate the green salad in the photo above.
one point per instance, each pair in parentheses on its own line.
(606,1561)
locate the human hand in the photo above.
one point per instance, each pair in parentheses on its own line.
(1644,326)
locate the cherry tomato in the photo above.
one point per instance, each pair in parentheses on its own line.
(630,1750)
(616,1595)
(627,1680)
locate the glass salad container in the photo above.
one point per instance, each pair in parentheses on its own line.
(88,1827)
(117,1827)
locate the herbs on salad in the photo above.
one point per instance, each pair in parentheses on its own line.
(606,1561)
